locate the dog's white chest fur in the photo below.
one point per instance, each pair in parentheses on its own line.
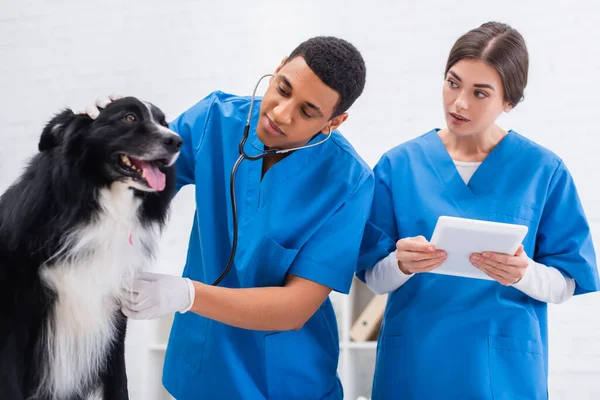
(100,258)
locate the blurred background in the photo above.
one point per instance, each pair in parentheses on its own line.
(66,53)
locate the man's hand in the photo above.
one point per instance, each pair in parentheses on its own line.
(156,295)
(93,110)
(504,268)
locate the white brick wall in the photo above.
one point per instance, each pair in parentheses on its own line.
(174,52)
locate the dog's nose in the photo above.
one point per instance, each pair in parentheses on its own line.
(172,143)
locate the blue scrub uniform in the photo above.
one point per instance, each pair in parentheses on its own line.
(305,217)
(446,337)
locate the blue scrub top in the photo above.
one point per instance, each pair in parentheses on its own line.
(447,337)
(306,217)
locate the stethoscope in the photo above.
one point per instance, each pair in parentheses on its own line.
(244,155)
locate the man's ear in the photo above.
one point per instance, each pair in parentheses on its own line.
(334,123)
(281,65)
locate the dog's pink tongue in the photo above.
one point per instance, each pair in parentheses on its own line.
(155,178)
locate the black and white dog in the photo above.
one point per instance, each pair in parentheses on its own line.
(83,218)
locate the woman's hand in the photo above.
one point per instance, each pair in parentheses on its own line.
(504,268)
(416,254)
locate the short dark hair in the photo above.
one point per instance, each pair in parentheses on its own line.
(500,46)
(338,64)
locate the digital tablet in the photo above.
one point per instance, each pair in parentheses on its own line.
(461,237)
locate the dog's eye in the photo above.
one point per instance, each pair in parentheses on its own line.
(130,118)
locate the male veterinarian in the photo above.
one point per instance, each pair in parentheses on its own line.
(268,330)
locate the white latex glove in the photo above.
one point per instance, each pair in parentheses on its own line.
(154,295)
(93,110)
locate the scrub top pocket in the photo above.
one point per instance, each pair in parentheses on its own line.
(188,337)
(515,213)
(270,265)
(516,369)
(298,368)
(391,367)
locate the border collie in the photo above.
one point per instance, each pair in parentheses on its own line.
(82,219)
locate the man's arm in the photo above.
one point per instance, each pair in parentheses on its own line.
(326,262)
(266,308)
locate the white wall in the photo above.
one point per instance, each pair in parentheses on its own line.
(174,52)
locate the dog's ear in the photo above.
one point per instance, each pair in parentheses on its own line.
(56,131)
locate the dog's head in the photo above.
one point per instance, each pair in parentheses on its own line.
(129,142)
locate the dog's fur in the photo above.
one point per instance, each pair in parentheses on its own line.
(74,228)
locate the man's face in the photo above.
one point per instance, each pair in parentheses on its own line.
(296,106)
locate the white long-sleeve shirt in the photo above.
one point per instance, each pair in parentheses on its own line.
(540,282)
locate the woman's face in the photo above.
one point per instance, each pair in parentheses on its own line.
(473,97)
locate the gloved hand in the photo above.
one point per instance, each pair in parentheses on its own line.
(154,295)
(93,110)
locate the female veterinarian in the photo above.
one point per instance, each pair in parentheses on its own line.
(268,330)
(446,337)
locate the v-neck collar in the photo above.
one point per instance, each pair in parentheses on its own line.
(261,187)
(483,177)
